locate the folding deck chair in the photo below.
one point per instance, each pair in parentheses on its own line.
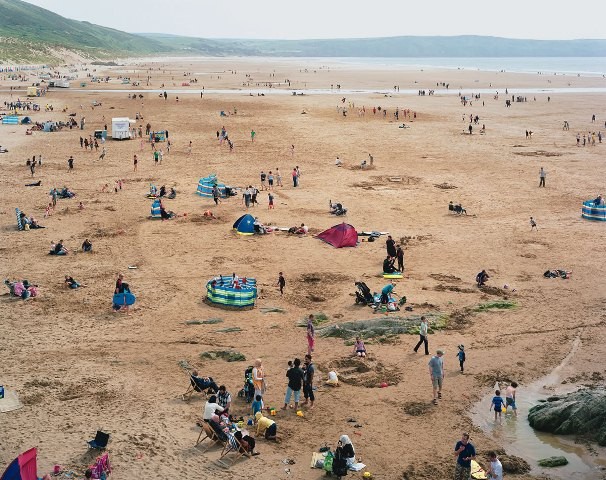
(234,447)
(194,386)
(209,434)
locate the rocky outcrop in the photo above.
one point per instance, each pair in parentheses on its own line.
(580,413)
(553,462)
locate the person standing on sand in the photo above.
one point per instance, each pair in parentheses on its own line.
(542,176)
(311,334)
(295,180)
(391,247)
(295,383)
(495,471)
(465,453)
(252,135)
(135,162)
(70,163)
(278,178)
(423,336)
(400,257)
(281,283)
(436,372)
(533,224)
(258,378)
(308,382)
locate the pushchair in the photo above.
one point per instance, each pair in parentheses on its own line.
(248,392)
(364,295)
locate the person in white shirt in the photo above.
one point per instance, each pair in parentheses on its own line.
(210,408)
(495,471)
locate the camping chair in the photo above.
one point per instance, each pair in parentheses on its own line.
(209,434)
(194,386)
(100,441)
(234,446)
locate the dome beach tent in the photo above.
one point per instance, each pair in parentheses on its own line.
(591,211)
(343,235)
(206,184)
(245,225)
(23,467)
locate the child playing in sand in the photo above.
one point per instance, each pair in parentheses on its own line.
(359,348)
(497,404)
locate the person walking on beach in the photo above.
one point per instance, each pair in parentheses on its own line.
(423,336)
(70,163)
(311,335)
(465,453)
(103,152)
(215,192)
(497,405)
(281,283)
(135,162)
(533,225)
(436,372)
(542,176)
(252,135)
(270,201)
(295,179)
(510,397)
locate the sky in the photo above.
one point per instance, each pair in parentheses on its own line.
(287,19)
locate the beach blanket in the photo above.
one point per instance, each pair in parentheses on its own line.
(10,402)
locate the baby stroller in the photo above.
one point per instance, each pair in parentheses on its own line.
(364,295)
(248,392)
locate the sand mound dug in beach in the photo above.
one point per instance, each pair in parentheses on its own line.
(366,372)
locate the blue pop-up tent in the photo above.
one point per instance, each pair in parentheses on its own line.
(245,225)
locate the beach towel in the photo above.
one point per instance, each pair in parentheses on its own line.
(10,402)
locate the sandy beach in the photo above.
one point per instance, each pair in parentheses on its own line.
(78,367)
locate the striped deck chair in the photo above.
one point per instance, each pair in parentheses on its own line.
(19,221)
(209,434)
(234,447)
(194,387)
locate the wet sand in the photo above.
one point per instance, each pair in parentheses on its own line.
(78,367)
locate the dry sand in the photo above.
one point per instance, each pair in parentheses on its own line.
(78,367)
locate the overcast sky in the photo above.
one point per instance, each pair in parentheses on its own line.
(287,19)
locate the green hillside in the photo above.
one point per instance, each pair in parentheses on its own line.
(30,33)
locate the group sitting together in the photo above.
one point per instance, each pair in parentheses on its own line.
(58,248)
(236,282)
(29,222)
(599,201)
(154,193)
(22,289)
(458,208)
(302,230)
(336,209)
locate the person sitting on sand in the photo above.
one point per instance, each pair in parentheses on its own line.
(481,278)
(204,383)
(209,214)
(87,246)
(359,349)
(166,215)
(348,451)
(388,265)
(71,283)
(302,230)
(338,162)
(259,227)
(333,379)
(173,193)
(266,426)
(59,249)
(599,201)
(162,190)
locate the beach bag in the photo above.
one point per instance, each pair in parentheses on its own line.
(328,462)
